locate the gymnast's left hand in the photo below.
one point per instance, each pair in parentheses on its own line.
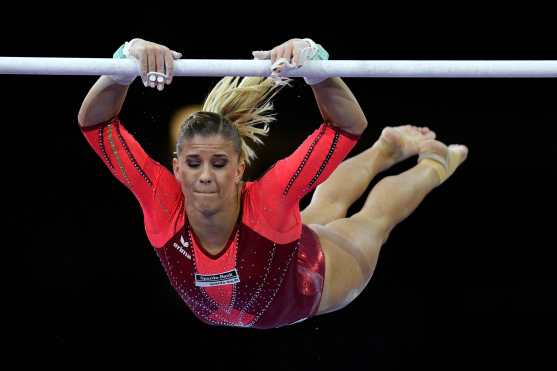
(290,54)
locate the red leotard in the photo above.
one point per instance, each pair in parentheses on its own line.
(271,272)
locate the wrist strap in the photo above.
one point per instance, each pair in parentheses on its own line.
(317,53)
(122,53)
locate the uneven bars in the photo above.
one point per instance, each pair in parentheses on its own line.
(332,68)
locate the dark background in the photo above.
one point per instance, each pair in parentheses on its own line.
(469,276)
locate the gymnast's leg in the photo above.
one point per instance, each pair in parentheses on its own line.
(350,179)
(351,245)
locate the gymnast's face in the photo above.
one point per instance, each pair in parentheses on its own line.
(209,170)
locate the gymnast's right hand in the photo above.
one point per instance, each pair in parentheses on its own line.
(156,62)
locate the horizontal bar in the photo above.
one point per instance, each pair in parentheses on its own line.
(333,68)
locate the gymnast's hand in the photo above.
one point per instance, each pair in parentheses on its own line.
(156,62)
(293,53)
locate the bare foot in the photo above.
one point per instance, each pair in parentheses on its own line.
(401,142)
(445,159)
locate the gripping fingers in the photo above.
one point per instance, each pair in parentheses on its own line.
(261,54)
(296,60)
(169,63)
(159,67)
(152,63)
(275,53)
(144,69)
(170,56)
(161,77)
(287,52)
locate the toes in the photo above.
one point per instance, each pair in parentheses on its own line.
(461,149)
(390,135)
(427,134)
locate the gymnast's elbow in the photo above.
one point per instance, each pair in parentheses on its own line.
(356,128)
(86,119)
(94,113)
(82,119)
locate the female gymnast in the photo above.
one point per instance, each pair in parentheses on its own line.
(241,253)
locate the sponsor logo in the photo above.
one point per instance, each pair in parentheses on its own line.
(182,250)
(219,279)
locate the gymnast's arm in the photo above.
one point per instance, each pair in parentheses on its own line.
(338,106)
(103,102)
(336,102)
(156,188)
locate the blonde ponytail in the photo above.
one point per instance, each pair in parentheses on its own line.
(246,104)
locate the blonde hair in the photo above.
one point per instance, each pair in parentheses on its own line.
(235,103)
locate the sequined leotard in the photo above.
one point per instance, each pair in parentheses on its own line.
(271,272)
